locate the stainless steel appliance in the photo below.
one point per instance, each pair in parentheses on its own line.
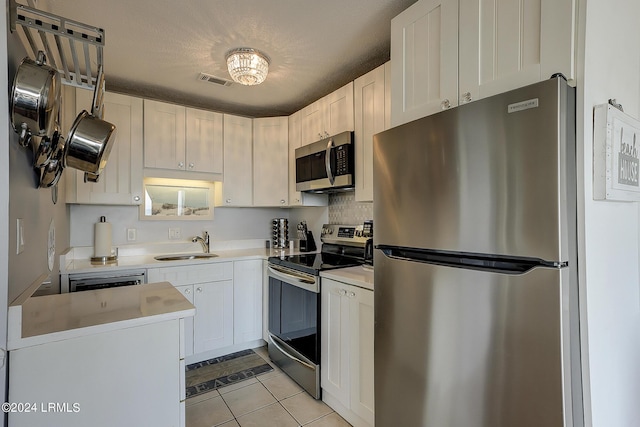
(294,302)
(92,281)
(476,309)
(327,165)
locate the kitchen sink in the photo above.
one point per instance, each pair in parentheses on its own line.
(183,257)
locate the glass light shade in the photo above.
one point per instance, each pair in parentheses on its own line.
(247,66)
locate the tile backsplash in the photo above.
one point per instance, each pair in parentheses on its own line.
(343,209)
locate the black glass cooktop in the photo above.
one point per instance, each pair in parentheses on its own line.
(315,263)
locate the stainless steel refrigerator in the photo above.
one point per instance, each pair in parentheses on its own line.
(476,292)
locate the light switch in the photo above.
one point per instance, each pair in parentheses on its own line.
(19,236)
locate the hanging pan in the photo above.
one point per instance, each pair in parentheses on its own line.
(35,99)
(90,138)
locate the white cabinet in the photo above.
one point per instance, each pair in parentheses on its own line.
(228,297)
(237,188)
(179,139)
(424,60)
(203,139)
(209,287)
(270,161)
(347,332)
(509,44)
(120,182)
(247,300)
(297,198)
(164,136)
(371,116)
(448,52)
(328,116)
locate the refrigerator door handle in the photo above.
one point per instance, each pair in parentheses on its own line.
(484,262)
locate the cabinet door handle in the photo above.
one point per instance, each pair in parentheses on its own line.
(198,289)
(187,291)
(191,165)
(319,135)
(282,201)
(446,104)
(466,97)
(181,165)
(342,292)
(352,294)
(136,198)
(228,201)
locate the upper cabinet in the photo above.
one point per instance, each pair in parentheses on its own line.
(327,116)
(179,139)
(237,186)
(509,44)
(424,60)
(120,183)
(448,52)
(372,113)
(270,161)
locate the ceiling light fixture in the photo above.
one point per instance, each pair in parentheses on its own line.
(247,66)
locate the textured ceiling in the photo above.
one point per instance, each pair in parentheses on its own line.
(157,48)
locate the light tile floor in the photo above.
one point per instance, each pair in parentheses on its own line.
(268,400)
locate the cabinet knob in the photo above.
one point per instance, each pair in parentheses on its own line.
(191,165)
(228,201)
(187,291)
(136,198)
(282,202)
(198,289)
(446,104)
(466,97)
(319,135)
(326,134)
(181,165)
(352,294)
(342,292)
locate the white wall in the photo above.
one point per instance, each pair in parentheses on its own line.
(609,232)
(227,224)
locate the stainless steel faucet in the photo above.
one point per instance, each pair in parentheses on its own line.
(204,241)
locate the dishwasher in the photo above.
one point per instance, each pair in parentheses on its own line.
(92,281)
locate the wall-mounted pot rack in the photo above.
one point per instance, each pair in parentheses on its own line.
(71,47)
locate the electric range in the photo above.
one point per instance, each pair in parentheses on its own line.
(294,302)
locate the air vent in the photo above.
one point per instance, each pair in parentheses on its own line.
(213,79)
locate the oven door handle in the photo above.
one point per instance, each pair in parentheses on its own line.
(327,161)
(302,362)
(295,280)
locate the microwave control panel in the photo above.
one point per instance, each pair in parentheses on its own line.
(342,160)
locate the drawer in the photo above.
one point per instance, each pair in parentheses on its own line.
(191,274)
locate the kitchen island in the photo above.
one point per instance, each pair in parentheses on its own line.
(101,358)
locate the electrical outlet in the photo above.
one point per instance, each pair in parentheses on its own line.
(174,233)
(131,234)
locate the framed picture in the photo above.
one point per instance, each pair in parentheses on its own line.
(177,199)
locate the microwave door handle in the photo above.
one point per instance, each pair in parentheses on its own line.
(327,161)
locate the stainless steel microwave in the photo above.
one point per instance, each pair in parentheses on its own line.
(326,166)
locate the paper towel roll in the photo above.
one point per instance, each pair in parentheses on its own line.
(102,238)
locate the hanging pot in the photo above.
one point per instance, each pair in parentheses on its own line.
(89,144)
(51,172)
(35,99)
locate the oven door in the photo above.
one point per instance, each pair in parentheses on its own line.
(294,321)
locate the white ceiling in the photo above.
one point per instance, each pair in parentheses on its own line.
(157,48)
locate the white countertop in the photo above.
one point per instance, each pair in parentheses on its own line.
(38,320)
(358,276)
(70,265)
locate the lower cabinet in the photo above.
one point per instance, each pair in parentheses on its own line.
(228,301)
(347,351)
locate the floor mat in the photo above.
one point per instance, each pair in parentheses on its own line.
(218,372)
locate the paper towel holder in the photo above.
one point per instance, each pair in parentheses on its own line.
(107,259)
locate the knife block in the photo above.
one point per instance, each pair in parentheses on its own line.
(308,244)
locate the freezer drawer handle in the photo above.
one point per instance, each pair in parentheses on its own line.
(474,261)
(290,356)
